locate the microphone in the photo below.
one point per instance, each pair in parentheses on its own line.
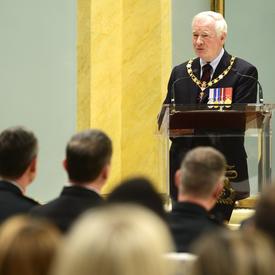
(173,98)
(261,97)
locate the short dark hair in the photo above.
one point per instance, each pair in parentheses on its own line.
(138,190)
(86,154)
(18,147)
(201,168)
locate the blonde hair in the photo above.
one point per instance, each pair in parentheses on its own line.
(220,23)
(27,246)
(234,252)
(116,240)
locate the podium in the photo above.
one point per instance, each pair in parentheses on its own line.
(249,124)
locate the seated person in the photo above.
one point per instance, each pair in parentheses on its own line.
(200,183)
(262,219)
(18,157)
(233,252)
(28,246)
(87,163)
(139,191)
(116,239)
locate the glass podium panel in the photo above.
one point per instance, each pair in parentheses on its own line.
(237,129)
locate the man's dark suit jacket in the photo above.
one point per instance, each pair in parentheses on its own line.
(186,92)
(12,201)
(64,210)
(187,222)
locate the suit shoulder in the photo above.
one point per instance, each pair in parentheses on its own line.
(18,199)
(180,67)
(243,64)
(45,207)
(31,201)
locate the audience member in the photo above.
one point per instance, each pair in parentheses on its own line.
(139,191)
(233,252)
(88,157)
(18,155)
(263,219)
(200,182)
(116,240)
(28,246)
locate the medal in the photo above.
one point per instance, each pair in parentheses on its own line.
(216,97)
(211,98)
(222,96)
(228,96)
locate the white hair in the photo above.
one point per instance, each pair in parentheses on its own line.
(220,23)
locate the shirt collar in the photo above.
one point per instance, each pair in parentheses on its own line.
(214,63)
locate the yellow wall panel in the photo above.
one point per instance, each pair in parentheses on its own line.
(130,58)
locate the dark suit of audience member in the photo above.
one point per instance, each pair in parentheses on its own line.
(138,191)
(18,153)
(64,210)
(13,201)
(200,182)
(88,156)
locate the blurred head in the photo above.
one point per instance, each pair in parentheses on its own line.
(87,153)
(139,191)
(27,246)
(265,211)
(116,240)
(18,150)
(200,172)
(234,252)
(209,31)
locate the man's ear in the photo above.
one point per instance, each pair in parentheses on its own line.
(31,170)
(33,165)
(218,189)
(105,172)
(65,165)
(223,37)
(178,178)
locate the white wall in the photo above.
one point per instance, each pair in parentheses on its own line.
(251,36)
(182,13)
(38,80)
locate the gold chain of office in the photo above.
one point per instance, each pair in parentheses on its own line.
(202,84)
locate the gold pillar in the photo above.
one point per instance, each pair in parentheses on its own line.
(217,5)
(83,63)
(124,61)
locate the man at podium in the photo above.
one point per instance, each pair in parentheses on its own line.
(194,82)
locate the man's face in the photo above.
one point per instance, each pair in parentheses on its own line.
(207,45)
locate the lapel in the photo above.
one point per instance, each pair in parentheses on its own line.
(196,67)
(223,64)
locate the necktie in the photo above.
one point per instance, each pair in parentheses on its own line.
(206,76)
(206,72)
